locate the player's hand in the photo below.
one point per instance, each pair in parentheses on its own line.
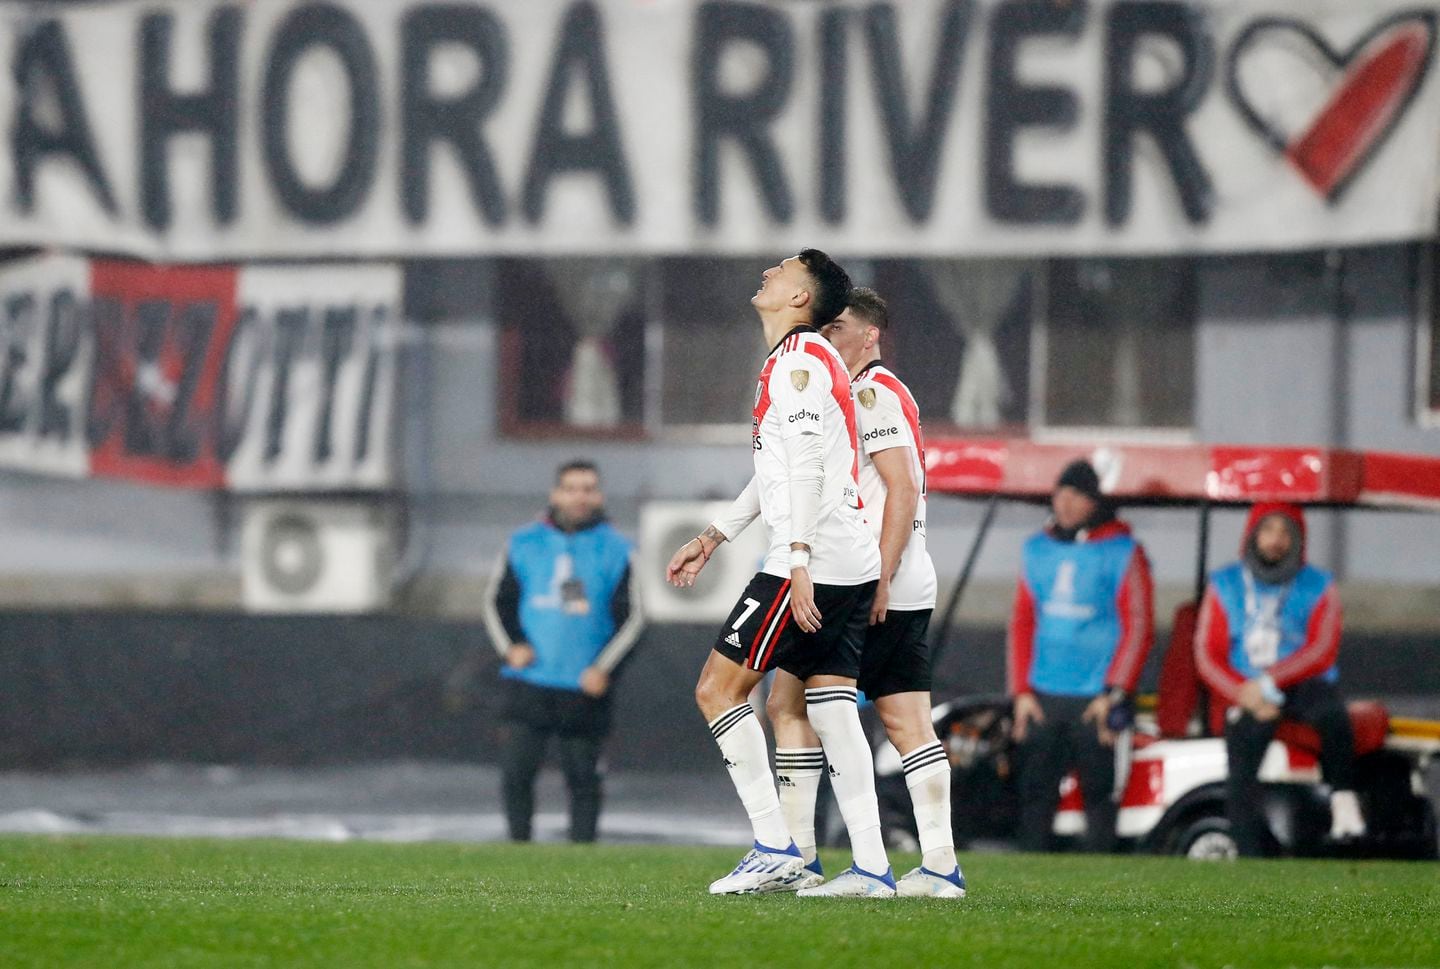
(594,681)
(1027,711)
(686,563)
(1266,712)
(1098,713)
(519,656)
(802,601)
(1251,697)
(881,605)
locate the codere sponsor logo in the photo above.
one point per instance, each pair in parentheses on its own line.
(804,415)
(880,432)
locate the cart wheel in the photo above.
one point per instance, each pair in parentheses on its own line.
(1208,839)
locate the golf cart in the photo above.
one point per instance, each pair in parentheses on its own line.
(1171,768)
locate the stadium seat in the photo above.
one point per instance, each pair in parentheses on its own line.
(1179,681)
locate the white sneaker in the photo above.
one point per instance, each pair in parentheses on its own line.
(807,877)
(762,870)
(924,883)
(854,883)
(1346,821)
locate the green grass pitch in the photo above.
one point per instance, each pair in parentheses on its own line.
(112,902)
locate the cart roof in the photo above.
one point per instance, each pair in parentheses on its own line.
(1188,474)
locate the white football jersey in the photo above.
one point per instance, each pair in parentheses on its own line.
(804,388)
(889,418)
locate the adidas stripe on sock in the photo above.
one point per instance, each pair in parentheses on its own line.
(927,775)
(797,772)
(833,714)
(742,744)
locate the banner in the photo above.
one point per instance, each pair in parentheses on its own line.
(255,379)
(195,130)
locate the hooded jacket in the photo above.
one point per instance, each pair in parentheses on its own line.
(1303,612)
(1082,619)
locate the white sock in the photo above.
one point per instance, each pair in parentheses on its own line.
(927,774)
(852,773)
(742,744)
(797,771)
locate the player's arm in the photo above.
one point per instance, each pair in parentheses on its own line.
(902,494)
(1020,655)
(629,620)
(1212,649)
(686,563)
(501,614)
(1134,605)
(1322,645)
(799,388)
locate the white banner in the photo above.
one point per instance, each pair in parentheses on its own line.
(256,379)
(194,130)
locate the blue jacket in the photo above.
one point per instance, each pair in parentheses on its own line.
(569,595)
(1082,619)
(1304,614)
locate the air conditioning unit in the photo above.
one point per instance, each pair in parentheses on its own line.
(664,527)
(315,555)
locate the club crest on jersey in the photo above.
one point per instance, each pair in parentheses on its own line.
(867,398)
(800,379)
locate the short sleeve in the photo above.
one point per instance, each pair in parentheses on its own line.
(881,418)
(799,387)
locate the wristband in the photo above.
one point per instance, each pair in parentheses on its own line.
(799,558)
(1270,691)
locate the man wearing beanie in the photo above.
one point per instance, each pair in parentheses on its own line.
(1079,634)
(1266,644)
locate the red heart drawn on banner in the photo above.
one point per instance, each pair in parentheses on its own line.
(1368,89)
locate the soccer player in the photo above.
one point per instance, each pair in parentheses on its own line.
(895,665)
(806,610)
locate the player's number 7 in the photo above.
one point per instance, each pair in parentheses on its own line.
(750,606)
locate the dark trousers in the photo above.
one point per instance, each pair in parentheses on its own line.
(1246,739)
(579,725)
(1049,752)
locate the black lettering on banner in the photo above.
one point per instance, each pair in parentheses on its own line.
(149,394)
(232,417)
(328,26)
(581,50)
(107,391)
(213,111)
(742,118)
(1011,106)
(337,337)
(62,344)
(368,380)
(1162,114)
(43,61)
(916,150)
(832,169)
(427,119)
(196,328)
(290,326)
(14,354)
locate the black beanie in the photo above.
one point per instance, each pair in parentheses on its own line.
(1082,477)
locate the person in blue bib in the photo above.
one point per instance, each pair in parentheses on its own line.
(562,611)
(1266,645)
(1080,630)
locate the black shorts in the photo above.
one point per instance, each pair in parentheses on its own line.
(896,658)
(762,635)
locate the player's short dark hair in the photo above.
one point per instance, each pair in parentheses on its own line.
(870,307)
(831,286)
(576,464)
